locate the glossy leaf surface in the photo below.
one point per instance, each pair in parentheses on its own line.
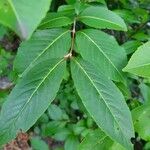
(20,15)
(103,101)
(103,51)
(30,98)
(44,44)
(139,63)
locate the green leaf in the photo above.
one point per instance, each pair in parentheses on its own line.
(96,140)
(3,31)
(141,121)
(145,91)
(124,89)
(79,7)
(147,146)
(71,143)
(67,10)
(21,16)
(127,15)
(55,112)
(100,1)
(103,101)
(43,119)
(52,127)
(62,134)
(37,144)
(102,18)
(116,146)
(103,51)
(54,20)
(131,46)
(44,44)
(30,98)
(139,63)
(71,1)
(141,36)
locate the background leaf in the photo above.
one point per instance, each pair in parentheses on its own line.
(55,112)
(37,144)
(71,143)
(96,140)
(145,91)
(20,15)
(141,121)
(139,63)
(131,46)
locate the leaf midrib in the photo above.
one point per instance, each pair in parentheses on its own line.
(33,61)
(63,17)
(36,89)
(101,19)
(102,52)
(98,93)
(99,141)
(138,66)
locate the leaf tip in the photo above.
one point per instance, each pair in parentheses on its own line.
(125,69)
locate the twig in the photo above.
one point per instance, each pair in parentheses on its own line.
(69,55)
